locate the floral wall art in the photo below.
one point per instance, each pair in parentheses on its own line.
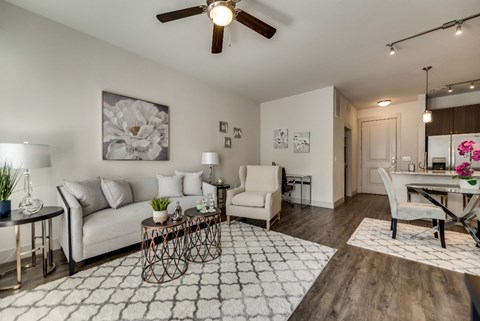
(134,129)
(301,142)
(280,138)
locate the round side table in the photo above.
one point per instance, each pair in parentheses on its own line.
(163,250)
(204,237)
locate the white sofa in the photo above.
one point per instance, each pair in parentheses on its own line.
(259,195)
(85,235)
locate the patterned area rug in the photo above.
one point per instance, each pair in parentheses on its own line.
(260,276)
(461,254)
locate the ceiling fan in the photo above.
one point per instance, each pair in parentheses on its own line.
(221,12)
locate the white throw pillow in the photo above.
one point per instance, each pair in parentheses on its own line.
(89,194)
(117,192)
(192,182)
(169,186)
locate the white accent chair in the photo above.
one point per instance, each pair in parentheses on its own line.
(259,195)
(412,211)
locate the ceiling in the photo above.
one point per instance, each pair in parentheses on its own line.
(318,43)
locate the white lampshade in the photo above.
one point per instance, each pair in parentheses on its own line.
(25,155)
(209,158)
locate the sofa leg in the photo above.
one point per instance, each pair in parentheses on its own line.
(228,219)
(268,225)
(72,267)
(279,216)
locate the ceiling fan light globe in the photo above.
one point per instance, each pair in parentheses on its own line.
(221,13)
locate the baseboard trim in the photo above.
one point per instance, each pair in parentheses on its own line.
(338,202)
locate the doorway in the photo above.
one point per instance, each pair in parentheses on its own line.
(378,148)
(347,152)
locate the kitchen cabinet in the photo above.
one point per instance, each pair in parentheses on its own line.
(466,119)
(456,120)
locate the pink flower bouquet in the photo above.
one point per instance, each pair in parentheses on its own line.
(464,170)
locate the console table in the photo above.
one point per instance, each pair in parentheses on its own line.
(16,219)
(303,180)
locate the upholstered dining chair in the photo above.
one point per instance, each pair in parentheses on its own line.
(412,211)
(259,195)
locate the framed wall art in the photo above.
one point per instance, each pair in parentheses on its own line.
(228,142)
(280,138)
(301,142)
(134,129)
(237,132)
(223,127)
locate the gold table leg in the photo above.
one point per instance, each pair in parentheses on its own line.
(18,262)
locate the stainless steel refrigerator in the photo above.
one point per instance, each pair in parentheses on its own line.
(445,146)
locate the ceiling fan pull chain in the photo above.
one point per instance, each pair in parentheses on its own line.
(229,36)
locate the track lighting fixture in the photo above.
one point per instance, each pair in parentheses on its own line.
(458,30)
(392,50)
(384,103)
(471,86)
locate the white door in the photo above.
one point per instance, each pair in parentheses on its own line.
(379,145)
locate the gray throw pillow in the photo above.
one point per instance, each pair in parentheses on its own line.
(89,194)
(117,192)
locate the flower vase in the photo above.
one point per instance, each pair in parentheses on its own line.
(465,185)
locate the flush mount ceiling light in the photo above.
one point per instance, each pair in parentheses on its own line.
(427,114)
(446,25)
(221,13)
(471,86)
(384,103)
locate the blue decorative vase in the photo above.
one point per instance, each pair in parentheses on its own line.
(5,208)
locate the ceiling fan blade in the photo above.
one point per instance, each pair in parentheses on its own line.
(217,39)
(179,14)
(255,24)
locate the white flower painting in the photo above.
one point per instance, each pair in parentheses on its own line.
(134,129)
(301,142)
(280,138)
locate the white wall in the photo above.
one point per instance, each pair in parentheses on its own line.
(51,79)
(411,130)
(313,112)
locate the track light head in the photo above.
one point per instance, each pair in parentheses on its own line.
(472,85)
(450,89)
(458,29)
(392,50)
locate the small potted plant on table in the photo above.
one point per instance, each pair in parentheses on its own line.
(8,180)
(159,206)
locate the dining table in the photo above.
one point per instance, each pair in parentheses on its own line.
(464,218)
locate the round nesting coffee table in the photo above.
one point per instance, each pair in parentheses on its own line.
(163,250)
(204,235)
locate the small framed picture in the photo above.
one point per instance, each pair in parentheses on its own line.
(237,132)
(228,142)
(223,127)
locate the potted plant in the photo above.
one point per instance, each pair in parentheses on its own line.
(8,180)
(465,171)
(159,206)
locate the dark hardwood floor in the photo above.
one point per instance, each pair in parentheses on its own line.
(356,284)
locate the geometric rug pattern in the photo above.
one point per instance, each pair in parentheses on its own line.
(259,276)
(461,254)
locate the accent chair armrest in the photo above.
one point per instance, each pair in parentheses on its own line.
(232,192)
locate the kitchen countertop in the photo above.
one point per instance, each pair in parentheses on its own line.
(430,173)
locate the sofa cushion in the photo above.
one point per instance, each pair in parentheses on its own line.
(192,182)
(169,186)
(117,192)
(89,194)
(261,178)
(252,199)
(143,189)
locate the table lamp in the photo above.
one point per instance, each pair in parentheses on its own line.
(210,159)
(27,156)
